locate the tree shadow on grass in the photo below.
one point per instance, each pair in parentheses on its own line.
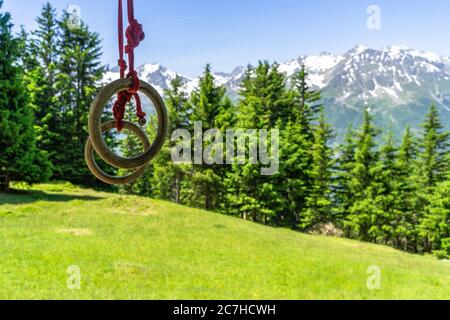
(17,197)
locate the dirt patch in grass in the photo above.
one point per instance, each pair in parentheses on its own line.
(131,206)
(76,232)
(128,268)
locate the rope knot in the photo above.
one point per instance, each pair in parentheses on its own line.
(122,64)
(135,34)
(135,82)
(123,97)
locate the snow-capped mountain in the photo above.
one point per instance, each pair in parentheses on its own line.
(319,67)
(393,73)
(155,74)
(396,83)
(160,77)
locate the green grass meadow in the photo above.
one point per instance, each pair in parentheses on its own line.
(136,248)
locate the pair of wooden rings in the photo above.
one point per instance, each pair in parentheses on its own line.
(97,143)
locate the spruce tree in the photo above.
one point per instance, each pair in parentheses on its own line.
(318,201)
(42,73)
(342,184)
(20,159)
(169,178)
(77,82)
(295,173)
(27,57)
(385,193)
(363,209)
(405,221)
(211,107)
(177,103)
(307,101)
(266,85)
(300,108)
(433,165)
(434,150)
(263,102)
(435,225)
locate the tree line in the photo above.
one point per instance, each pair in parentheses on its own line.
(369,188)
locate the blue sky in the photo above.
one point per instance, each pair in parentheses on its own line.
(184,35)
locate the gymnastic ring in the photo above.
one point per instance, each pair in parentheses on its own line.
(95,126)
(99,173)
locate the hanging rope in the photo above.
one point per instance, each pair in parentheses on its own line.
(134,35)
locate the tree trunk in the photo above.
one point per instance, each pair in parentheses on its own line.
(208,201)
(177,189)
(428,245)
(295,222)
(4,183)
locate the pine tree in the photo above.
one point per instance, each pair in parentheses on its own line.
(169,178)
(19,158)
(39,55)
(211,107)
(27,58)
(77,83)
(177,103)
(266,85)
(42,73)
(295,173)
(342,184)
(301,108)
(435,225)
(363,209)
(433,165)
(210,104)
(405,222)
(263,102)
(385,193)
(434,150)
(318,201)
(307,101)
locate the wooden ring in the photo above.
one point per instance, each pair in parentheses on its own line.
(99,173)
(95,126)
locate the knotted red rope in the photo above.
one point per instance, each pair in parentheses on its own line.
(134,35)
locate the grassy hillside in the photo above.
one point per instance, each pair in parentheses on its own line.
(136,248)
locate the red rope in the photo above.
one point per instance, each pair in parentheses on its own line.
(134,35)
